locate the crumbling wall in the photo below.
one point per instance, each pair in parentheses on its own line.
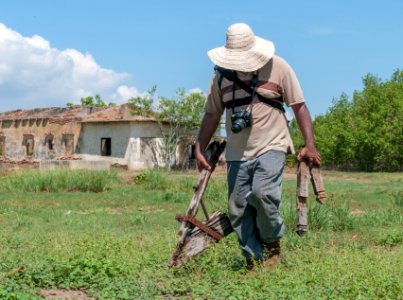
(138,145)
(92,134)
(38,139)
(112,135)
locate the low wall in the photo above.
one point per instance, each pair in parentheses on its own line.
(18,165)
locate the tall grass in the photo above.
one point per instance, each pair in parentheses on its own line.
(178,187)
(335,215)
(59,180)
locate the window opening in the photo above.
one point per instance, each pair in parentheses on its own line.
(49,141)
(192,152)
(68,142)
(50,144)
(29,144)
(2,146)
(106,146)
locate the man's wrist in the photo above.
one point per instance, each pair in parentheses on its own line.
(310,145)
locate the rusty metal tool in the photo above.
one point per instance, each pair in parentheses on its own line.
(304,173)
(195,236)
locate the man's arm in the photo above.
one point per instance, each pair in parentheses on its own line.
(304,121)
(208,127)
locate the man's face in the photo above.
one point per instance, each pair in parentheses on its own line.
(247,73)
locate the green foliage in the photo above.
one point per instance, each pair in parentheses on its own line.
(184,112)
(59,180)
(390,238)
(178,117)
(365,133)
(334,134)
(398,198)
(142,105)
(378,111)
(334,216)
(96,101)
(140,177)
(154,178)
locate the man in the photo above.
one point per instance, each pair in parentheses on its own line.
(257,137)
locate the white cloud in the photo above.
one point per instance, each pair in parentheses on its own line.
(38,42)
(196,91)
(33,74)
(125,92)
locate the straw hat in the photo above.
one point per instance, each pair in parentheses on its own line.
(243,50)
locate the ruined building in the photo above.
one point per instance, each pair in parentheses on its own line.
(110,134)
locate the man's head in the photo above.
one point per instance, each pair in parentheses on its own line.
(243,50)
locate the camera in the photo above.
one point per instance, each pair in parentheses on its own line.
(240,120)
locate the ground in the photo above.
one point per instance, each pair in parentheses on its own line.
(109,235)
(64,295)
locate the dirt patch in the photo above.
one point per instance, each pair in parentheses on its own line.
(65,295)
(357,212)
(128,177)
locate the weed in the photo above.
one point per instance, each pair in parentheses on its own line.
(398,198)
(155,179)
(141,177)
(389,238)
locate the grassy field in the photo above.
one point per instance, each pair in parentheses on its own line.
(111,234)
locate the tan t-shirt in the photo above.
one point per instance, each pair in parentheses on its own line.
(269,130)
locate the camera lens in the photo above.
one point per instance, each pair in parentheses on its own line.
(240,120)
(238,125)
(236,128)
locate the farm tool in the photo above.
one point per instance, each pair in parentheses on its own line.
(304,172)
(195,236)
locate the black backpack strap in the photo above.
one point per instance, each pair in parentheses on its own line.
(238,102)
(219,79)
(231,76)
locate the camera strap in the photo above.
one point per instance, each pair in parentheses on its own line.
(231,76)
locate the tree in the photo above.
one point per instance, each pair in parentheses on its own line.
(334,134)
(182,116)
(91,101)
(143,105)
(365,133)
(178,118)
(378,111)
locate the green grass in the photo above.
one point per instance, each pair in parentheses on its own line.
(116,244)
(58,180)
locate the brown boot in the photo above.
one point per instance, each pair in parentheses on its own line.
(273,255)
(251,263)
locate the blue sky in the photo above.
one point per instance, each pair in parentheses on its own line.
(52,52)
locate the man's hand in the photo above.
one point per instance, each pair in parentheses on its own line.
(304,121)
(209,125)
(202,161)
(310,154)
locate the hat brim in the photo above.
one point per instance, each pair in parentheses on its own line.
(244,61)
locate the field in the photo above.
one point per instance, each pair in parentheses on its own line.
(110,235)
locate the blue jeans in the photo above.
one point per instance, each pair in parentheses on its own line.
(254,200)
